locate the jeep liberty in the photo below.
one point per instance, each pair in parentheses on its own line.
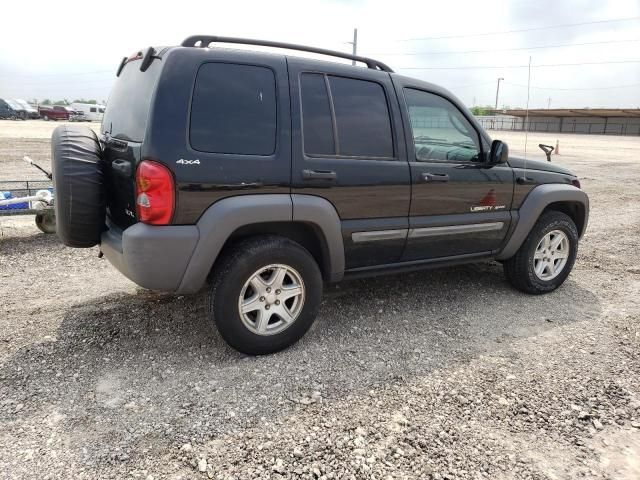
(262,176)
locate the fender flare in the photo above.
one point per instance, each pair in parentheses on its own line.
(533,206)
(226,216)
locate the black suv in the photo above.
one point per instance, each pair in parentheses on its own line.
(264,175)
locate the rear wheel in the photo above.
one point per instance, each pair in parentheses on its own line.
(45,118)
(265,294)
(545,259)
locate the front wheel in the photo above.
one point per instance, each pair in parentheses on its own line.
(546,257)
(265,294)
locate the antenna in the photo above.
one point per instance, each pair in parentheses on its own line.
(526,120)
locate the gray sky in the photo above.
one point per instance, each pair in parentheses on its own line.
(81,62)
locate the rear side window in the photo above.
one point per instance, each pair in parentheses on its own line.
(360,112)
(316,116)
(234,110)
(92,109)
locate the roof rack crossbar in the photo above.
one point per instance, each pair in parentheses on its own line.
(205,40)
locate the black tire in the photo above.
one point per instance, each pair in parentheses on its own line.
(79,185)
(235,268)
(46,222)
(519,269)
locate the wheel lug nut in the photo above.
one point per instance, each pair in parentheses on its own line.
(262,299)
(268,289)
(267,307)
(278,292)
(277,302)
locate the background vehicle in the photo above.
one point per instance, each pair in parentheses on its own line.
(55,112)
(265,175)
(91,112)
(31,111)
(76,115)
(12,110)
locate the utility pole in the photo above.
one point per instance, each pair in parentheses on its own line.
(354,44)
(498,92)
(548,103)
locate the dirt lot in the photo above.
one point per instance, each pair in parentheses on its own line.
(447,374)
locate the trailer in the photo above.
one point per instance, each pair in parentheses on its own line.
(40,203)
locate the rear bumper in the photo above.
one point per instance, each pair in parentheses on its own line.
(154,257)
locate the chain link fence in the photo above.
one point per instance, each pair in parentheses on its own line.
(561,126)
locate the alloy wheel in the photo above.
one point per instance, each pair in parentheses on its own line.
(551,255)
(271,299)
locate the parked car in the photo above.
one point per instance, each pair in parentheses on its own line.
(76,115)
(31,111)
(55,112)
(10,109)
(260,176)
(91,112)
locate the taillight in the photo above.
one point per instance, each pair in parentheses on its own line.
(576,183)
(155,194)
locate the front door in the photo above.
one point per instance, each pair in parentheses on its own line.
(348,147)
(460,204)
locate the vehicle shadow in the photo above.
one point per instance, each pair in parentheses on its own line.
(124,364)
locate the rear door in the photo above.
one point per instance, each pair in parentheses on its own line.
(348,148)
(460,205)
(123,131)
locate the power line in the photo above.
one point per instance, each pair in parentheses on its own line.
(480,67)
(576,88)
(58,81)
(470,85)
(66,74)
(560,45)
(483,34)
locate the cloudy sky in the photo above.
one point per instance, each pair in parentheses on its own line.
(463,45)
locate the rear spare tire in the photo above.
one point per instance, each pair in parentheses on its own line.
(79,185)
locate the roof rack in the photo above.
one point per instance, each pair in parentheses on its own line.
(205,40)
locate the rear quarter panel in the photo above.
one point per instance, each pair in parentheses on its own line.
(217,176)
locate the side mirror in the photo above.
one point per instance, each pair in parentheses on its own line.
(499,152)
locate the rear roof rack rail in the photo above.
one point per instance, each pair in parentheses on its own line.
(205,40)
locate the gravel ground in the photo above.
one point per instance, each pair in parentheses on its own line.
(444,374)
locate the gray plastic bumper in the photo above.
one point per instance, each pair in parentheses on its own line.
(153,257)
(179,258)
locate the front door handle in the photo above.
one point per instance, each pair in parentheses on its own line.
(435,177)
(318,175)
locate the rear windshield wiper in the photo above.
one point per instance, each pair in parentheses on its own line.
(147,56)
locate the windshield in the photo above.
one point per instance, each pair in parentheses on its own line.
(127,109)
(13,104)
(25,104)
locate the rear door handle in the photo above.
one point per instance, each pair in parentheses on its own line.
(122,167)
(318,175)
(435,177)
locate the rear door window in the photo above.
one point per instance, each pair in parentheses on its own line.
(233,110)
(350,119)
(362,118)
(316,116)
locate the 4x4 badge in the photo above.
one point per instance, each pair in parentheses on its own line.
(182,161)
